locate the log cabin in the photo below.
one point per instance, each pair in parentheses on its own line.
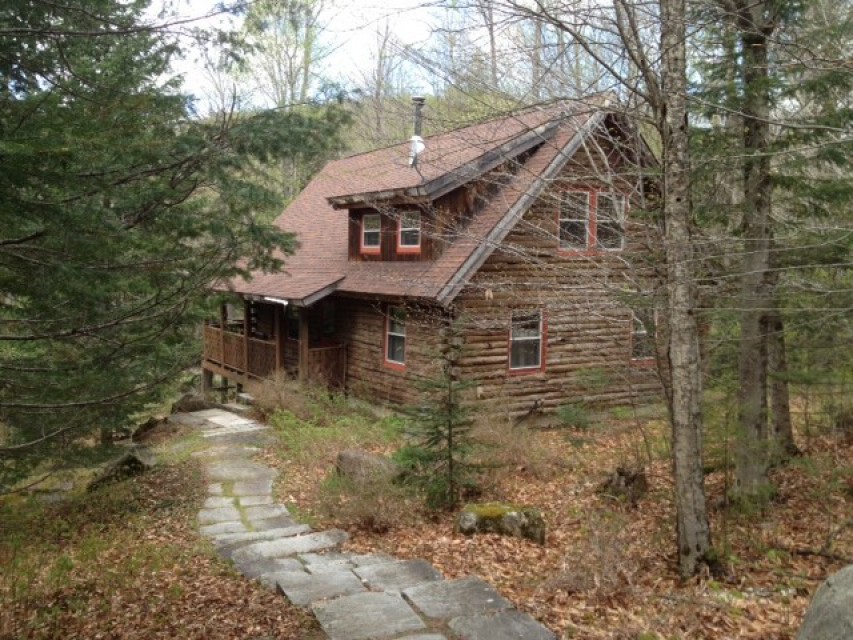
(527,240)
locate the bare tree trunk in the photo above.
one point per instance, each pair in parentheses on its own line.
(752,455)
(783,446)
(693,532)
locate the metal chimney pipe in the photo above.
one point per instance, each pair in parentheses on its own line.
(418,102)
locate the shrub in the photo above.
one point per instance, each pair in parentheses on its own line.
(372,504)
(575,416)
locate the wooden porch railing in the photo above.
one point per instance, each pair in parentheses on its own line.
(228,350)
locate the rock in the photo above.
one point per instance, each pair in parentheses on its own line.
(830,615)
(190,402)
(626,484)
(132,463)
(506,519)
(362,466)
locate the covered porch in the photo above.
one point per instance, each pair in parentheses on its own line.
(255,337)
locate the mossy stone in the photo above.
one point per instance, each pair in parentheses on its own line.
(501,518)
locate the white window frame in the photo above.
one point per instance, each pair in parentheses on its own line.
(401,319)
(562,217)
(403,228)
(517,318)
(620,206)
(364,231)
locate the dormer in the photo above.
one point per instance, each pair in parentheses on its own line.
(404,202)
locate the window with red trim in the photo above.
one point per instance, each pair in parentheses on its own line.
(395,337)
(525,341)
(409,232)
(371,233)
(591,220)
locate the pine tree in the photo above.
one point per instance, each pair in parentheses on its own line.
(118,210)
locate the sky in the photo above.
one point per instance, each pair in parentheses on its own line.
(352,31)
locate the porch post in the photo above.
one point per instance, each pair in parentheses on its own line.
(223,317)
(303,344)
(278,341)
(206,382)
(246,305)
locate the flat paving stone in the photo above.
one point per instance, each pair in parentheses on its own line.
(253,501)
(214,502)
(257,487)
(448,599)
(275,565)
(215,489)
(505,625)
(264,511)
(424,636)
(303,589)
(325,562)
(219,514)
(240,470)
(222,528)
(291,546)
(257,536)
(367,616)
(396,576)
(278,522)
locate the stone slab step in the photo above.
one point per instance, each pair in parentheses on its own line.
(448,599)
(253,501)
(397,576)
(253,487)
(278,522)
(258,536)
(505,625)
(214,502)
(303,589)
(334,561)
(283,547)
(264,511)
(219,514)
(222,529)
(367,616)
(259,568)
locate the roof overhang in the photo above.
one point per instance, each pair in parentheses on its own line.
(437,187)
(300,299)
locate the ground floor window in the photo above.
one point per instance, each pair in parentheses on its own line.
(395,336)
(643,335)
(526,341)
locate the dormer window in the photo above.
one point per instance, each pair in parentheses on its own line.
(371,233)
(409,234)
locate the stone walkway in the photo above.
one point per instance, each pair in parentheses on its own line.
(354,597)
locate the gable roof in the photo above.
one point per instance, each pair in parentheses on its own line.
(320,264)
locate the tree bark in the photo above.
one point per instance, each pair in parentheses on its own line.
(783,446)
(693,532)
(752,447)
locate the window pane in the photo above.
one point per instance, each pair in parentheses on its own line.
(525,354)
(396,349)
(574,217)
(396,321)
(643,339)
(525,326)
(410,220)
(410,237)
(371,239)
(572,234)
(371,222)
(610,235)
(610,217)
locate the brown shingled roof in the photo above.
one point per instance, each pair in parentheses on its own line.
(320,264)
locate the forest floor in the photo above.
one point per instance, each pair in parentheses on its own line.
(608,568)
(127,562)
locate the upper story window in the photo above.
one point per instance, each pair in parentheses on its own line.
(591,220)
(525,341)
(409,235)
(610,221)
(395,337)
(371,233)
(574,220)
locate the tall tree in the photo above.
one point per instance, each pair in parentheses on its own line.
(117,212)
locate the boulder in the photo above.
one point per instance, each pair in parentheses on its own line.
(830,615)
(190,402)
(505,519)
(361,466)
(129,464)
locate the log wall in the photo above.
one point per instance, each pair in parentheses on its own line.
(368,375)
(582,294)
